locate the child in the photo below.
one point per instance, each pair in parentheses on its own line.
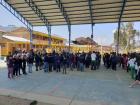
(10,65)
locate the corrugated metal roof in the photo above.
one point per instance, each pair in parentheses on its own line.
(14,38)
(78,11)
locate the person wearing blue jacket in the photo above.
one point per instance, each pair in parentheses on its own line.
(46,64)
(58,58)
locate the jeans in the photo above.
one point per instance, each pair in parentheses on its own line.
(93,65)
(78,66)
(10,72)
(81,67)
(30,68)
(71,65)
(46,67)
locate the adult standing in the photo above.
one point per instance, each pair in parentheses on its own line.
(58,58)
(87,60)
(10,65)
(24,61)
(50,62)
(93,61)
(46,64)
(19,63)
(81,62)
(137,78)
(30,61)
(16,65)
(64,64)
(131,64)
(37,61)
(114,61)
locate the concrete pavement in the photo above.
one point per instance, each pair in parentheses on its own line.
(100,87)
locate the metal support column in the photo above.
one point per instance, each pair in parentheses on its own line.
(118,38)
(119,23)
(49,34)
(92,25)
(69,29)
(31,36)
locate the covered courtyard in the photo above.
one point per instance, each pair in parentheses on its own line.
(91,87)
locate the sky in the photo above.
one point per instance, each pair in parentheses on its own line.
(103,33)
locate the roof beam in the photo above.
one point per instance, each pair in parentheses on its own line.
(63,11)
(74,7)
(122,10)
(70,12)
(73,2)
(89,23)
(38,12)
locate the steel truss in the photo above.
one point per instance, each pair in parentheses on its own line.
(15,13)
(35,8)
(19,17)
(38,12)
(65,15)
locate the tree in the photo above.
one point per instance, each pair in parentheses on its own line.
(127,36)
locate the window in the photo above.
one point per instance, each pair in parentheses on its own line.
(23,45)
(2,45)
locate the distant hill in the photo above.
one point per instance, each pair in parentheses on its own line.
(84,41)
(7,28)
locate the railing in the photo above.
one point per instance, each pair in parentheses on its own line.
(35,41)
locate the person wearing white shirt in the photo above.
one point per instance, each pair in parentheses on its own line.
(93,61)
(131,64)
(137,79)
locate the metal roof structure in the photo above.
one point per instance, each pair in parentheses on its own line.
(74,12)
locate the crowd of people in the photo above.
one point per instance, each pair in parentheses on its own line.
(21,62)
(129,62)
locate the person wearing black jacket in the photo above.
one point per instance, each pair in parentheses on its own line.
(37,61)
(98,60)
(107,60)
(40,61)
(16,65)
(50,62)
(10,65)
(30,61)
(46,64)
(113,61)
(87,60)
(81,62)
(64,63)
(58,58)
(24,64)
(19,63)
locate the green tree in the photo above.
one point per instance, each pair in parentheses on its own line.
(127,36)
